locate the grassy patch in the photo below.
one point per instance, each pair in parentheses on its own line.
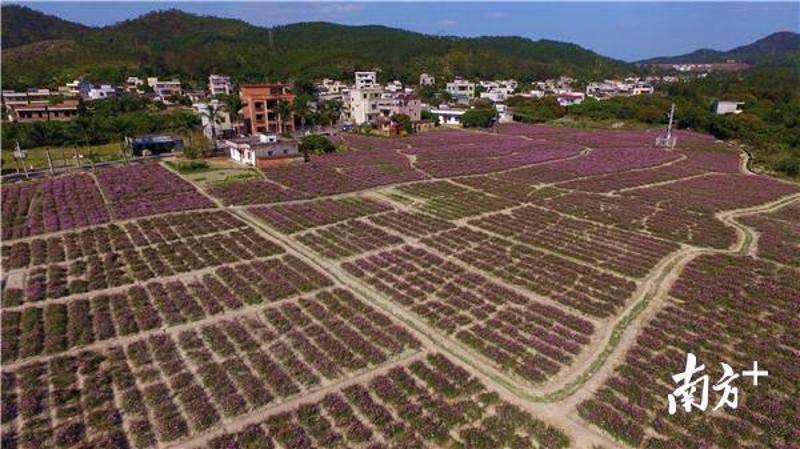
(37,157)
(189,167)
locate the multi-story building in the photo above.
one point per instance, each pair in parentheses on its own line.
(216,124)
(461,89)
(134,84)
(219,85)
(366,79)
(401,104)
(426,80)
(12,98)
(261,111)
(330,89)
(60,112)
(165,89)
(364,104)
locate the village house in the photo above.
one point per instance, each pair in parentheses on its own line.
(451,117)
(261,108)
(219,126)
(165,89)
(262,150)
(363,104)
(219,85)
(401,104)
(366,79)
(570,99)
(727,107)
(461,90)
(134,85)
(426,80)
(98,92)
(32,112)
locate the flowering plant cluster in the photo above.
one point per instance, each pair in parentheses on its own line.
(720,292)
(50,205)
(778,233)
(100,240)
(628,253)
(145,189)
(581,287)
(171,385)
(632,179)
(415,224)
(290,218)
(346,172)
(525,337)
(347,239)
(429,402)
(53,328)
(450,201)
(599,162)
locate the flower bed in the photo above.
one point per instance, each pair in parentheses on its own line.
(748,311)
(599,162)
(450,201)
(169,386)
(346,172)
(528,338)
(778,234)
(627,253)
(50,205)
(581,287)
(144,189)
(98,241)
(347,239)
(425,403)
(290,218)
(415,224)
(34,330)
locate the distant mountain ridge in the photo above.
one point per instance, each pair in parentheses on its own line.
(23,25)
(191,46)
(782,45)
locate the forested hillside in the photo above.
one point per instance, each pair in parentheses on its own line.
(190,46)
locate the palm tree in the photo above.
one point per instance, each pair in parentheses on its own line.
(284,110)
(215,115)
(332,111)
(302,109)
(233,104)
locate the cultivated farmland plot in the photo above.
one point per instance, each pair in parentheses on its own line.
(534,288)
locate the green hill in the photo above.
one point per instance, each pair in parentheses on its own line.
(190,46)
(777,48)
(22,25)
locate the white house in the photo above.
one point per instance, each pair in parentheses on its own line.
(727,107)
(426,80)
(461,89)
(219,85)
(366,79)
(570,99)
(449,116)
(364,104)
(165,89)
(134,84)
(100,92)
(259,149)
(222,124)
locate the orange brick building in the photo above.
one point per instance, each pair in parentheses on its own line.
(261,108)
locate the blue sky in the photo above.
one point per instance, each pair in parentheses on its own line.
(624,30)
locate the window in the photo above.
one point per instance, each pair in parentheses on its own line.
(258,105)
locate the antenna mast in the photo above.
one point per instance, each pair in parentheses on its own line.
(668,140)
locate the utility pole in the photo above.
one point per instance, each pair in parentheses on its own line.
(49,160)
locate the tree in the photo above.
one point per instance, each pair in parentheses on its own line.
(284,110)
(404,122)
(302,109)
(478,118)
(316,144)
(215,114)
